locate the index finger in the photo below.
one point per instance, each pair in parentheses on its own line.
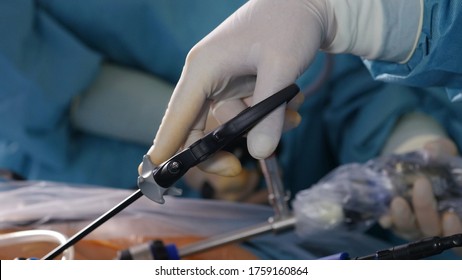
(186,107)
(424,203)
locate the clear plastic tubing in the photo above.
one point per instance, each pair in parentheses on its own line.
(37,235)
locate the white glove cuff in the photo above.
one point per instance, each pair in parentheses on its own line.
(412,132)
(376,29)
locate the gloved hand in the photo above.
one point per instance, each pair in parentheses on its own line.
(263,47)
(240,187)
(421,219)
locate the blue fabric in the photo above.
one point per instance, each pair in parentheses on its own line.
(351,116)
(50,51)
(437,58)
(151,35)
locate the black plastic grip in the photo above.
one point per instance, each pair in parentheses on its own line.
(174,168)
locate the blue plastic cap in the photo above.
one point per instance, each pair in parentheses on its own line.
(172,252)
(339,256)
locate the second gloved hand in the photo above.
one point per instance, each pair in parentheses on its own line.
(261,48)
(420,218)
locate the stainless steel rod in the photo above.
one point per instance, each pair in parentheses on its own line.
(277,196)
(276,226)
(282,219)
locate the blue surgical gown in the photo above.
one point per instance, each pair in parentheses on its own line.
(350,117)
(51,51)
(437,58)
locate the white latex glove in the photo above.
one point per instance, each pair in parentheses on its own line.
(263,47)
(242,186)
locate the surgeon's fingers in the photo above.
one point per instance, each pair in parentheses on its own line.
(186,107)
(224,111)
(291,117)
(227,105)
(441,147)
(222,163)
(425,207)
(404,221)
(295,103)
(263,139)
(452,224)
(291,120)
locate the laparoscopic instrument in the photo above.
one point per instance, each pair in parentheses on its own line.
(157,181)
